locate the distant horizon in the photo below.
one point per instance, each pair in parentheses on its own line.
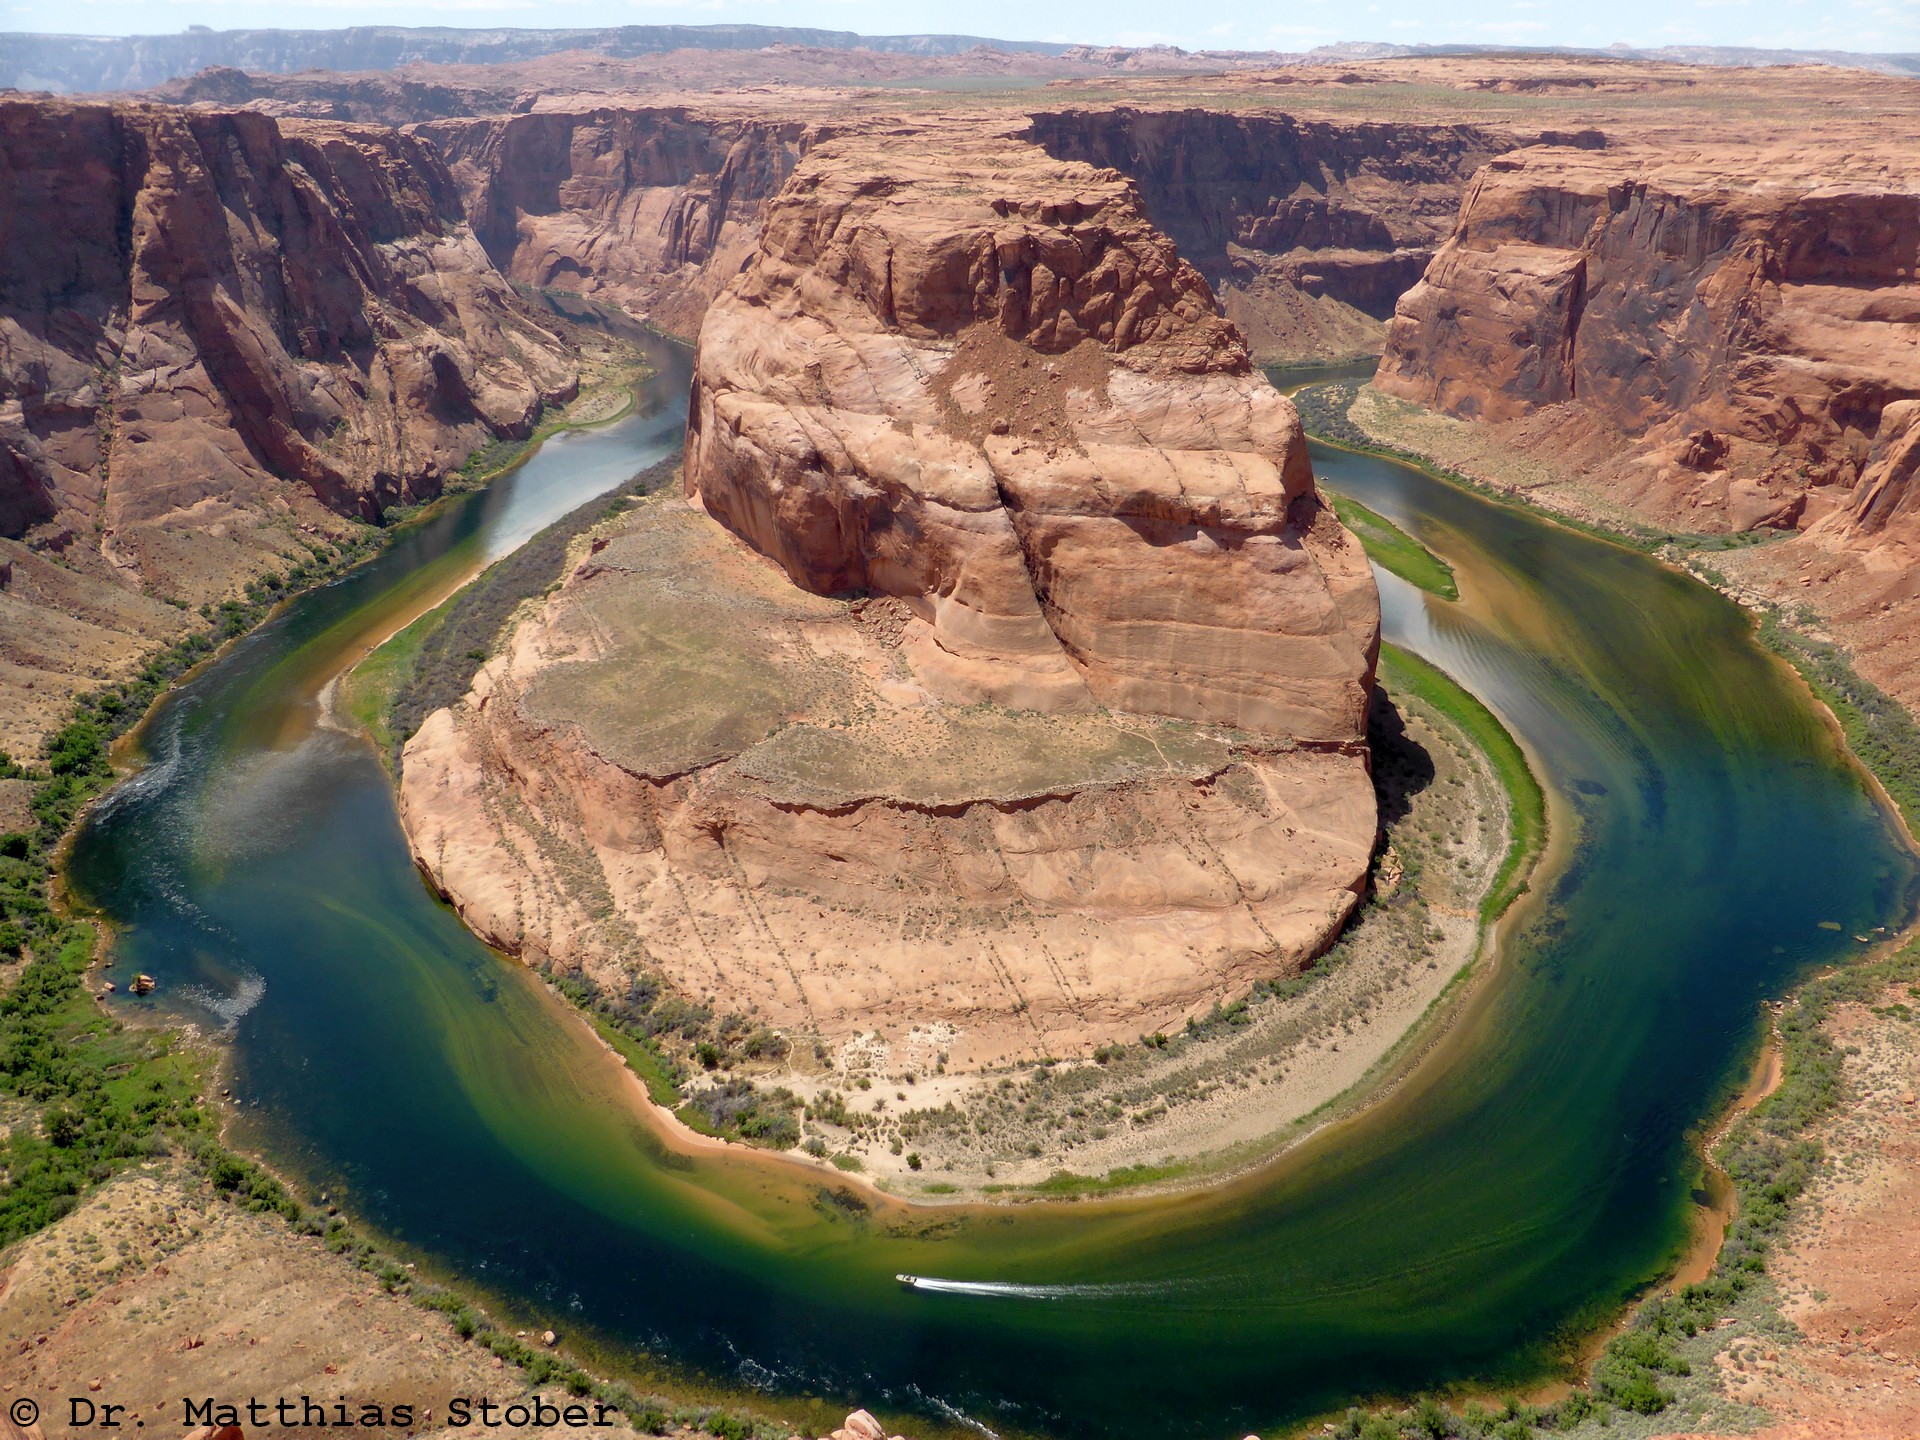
(1871,27)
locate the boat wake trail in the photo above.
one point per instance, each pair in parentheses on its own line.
(1010,1290)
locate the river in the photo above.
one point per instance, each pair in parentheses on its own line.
(1525,1181)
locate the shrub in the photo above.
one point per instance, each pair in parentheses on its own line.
(77,749)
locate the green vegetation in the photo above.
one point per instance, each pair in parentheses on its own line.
(498,456)
(432,662)
(105,1094)
(1772,1156)
(642,1026)
(367,693)
(1405,673)
(1878,729)
(1125,1177)
(1395,551)
(1323,413)
(738,1110)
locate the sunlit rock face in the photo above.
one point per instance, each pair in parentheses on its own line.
(997,678)
(983,383)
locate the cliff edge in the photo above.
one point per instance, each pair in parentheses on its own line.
(1000,678)
(220,333)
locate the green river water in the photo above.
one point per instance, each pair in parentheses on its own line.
(1523,1183)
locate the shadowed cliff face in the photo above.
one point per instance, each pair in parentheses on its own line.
(1744,323)
(216,331)
(654,208)
(194,304)
(1311,229)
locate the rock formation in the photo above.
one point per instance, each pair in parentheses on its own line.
(1742,323)
(983,383)
(215,328)
(1310,228)
(655,208)
(1045,723)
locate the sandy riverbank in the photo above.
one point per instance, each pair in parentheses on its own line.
(1189,1108)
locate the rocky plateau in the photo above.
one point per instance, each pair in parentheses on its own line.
(1015,676)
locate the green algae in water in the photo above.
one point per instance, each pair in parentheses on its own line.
(1496,1203)
(1391,548)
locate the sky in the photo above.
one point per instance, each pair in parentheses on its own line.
(1876,25)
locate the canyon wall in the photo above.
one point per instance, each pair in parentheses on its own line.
(1311,229)
(215,329)
(1308,229)
(652,208)
(1741,327)
(1001,675)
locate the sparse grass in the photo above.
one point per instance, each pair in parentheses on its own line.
(1125,1177)
(1395,551)
(369,691)
(610,396)
(1323,412)
(700,668)
(1403,672)
(432,662)
(1878,728)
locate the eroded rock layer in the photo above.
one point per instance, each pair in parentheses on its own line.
(1310,228)
(656,208)
(1002,667)
(194,302)
(216,329)
(983,383)
(1742,323)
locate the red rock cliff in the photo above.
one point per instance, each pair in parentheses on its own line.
(193,304)
(1746,321)
(1277,209)
(657,208)
(216,328)
(982,382)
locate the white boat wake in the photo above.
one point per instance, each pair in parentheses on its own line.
(1010,1290)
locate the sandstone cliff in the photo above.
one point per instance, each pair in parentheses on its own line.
(1310,228)
(984,383)
(1741,324)
(654,208)
(1045,723)
(214,329)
